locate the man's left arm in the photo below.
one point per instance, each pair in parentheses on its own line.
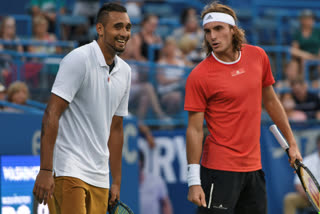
(279,117)
(115,144)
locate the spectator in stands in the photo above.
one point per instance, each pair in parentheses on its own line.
(306,101)
(190,26)
(134,8)
(87,8)
(306,40)
(171,79)
(142,93)
(191,30)
(291,73)
(299,200)
(40,33)
(147,134)
(153,193)
(142,40)
(85,32)
(289,104)
(188,47)
(33,68)
(48,9)
(8,33)
(2,94)
(18,93)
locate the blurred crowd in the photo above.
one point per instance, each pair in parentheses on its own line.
(162,51)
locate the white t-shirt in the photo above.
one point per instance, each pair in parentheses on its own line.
(312,161)
(151,192)
(94,96)
(172,72)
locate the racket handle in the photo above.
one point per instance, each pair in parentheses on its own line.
(273,128)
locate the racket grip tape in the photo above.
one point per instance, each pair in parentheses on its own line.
(283,143)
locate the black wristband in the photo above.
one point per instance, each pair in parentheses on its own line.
(50,170)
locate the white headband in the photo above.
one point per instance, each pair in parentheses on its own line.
(218,17)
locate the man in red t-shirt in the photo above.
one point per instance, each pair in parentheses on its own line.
(226,89)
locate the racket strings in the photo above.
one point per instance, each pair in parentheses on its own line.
(311,187)
(121,208)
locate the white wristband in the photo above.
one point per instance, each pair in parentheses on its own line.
(193,174)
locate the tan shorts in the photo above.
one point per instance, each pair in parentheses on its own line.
(72,195)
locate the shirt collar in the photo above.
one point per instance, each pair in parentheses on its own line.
(100,57)
(227,63)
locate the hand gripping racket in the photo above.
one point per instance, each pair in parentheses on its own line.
(308,181)
(119,208)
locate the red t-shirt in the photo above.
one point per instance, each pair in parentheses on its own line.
(230,95)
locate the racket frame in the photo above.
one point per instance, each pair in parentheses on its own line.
(297,165)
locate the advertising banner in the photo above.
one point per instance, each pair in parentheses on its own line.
(18,174)
(20,135)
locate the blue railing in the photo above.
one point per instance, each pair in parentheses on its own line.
(17,56)
(307,69)
(68,44)
(279,14)
(279,51)
(23,108)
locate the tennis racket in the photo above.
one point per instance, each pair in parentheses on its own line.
(120,208)
(308,181)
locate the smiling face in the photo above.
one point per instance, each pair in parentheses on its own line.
(219,36)
(115,32)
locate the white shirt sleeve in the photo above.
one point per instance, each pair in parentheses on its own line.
(123,106)
(296,180)
(70,75)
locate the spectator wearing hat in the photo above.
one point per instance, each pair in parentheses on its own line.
(306,40)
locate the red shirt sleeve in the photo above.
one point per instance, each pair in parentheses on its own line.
(267,77)
(195,96)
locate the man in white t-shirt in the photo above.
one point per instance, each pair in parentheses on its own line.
(153,193)
(299,199)
(83,123)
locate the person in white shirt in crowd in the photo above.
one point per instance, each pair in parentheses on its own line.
(299,200)
(153,192)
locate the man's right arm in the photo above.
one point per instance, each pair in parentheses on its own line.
(44,185)
(194,137)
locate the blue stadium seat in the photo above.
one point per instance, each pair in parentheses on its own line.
(161,10)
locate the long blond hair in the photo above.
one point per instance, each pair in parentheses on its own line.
(239,35)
